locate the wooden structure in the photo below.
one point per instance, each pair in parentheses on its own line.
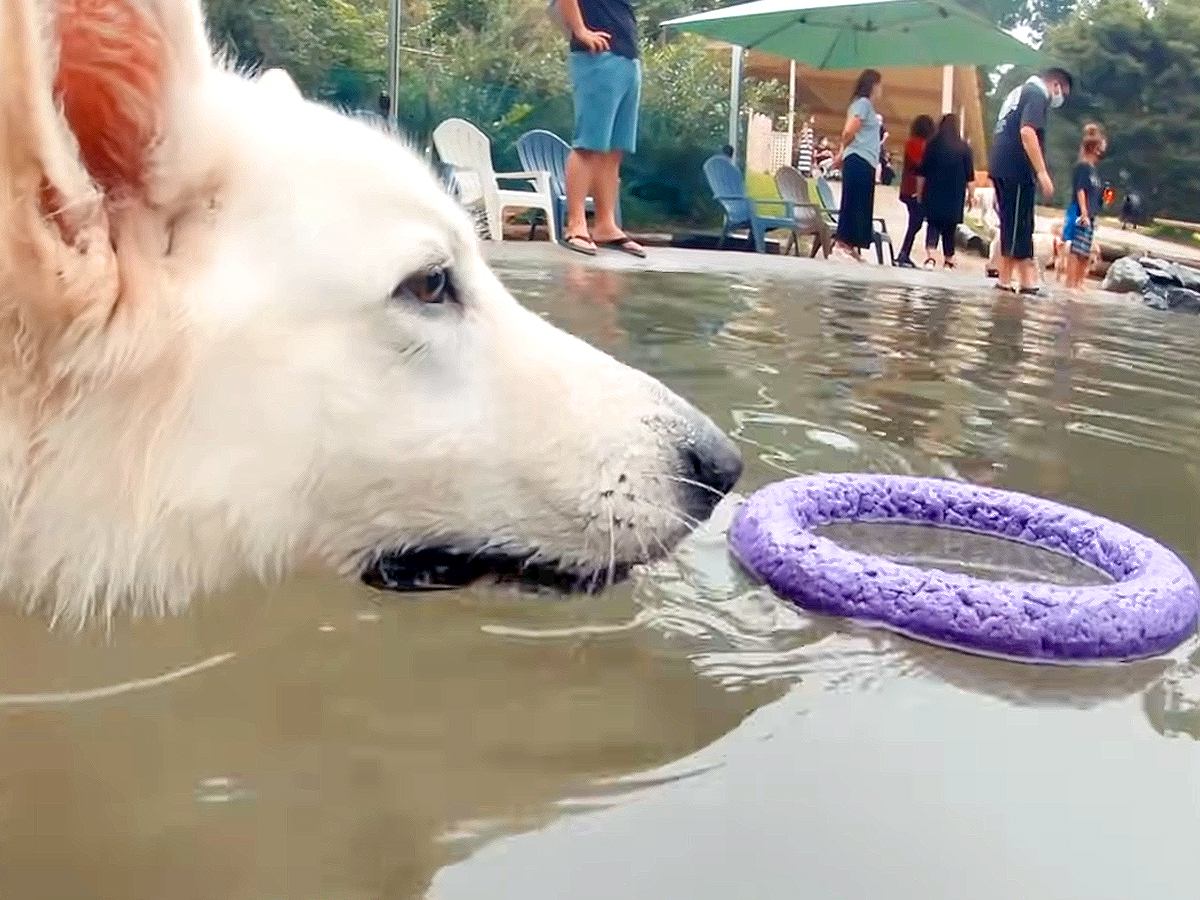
(907,92)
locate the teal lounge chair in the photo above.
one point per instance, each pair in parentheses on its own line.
(729,189)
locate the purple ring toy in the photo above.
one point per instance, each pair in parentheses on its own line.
(1150,607)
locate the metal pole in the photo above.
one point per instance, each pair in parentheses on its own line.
(791,111)
(735,101)
(395,15)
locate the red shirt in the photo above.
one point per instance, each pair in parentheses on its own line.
(914,150)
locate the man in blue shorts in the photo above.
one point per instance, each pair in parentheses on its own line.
(1018,169)
(606,78)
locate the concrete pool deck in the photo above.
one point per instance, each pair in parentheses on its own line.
(755,266)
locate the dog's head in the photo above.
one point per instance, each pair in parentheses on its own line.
(241,329)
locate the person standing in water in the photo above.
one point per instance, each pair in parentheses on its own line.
(1018,169)
(1086,199)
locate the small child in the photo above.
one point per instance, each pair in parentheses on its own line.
(1086,200)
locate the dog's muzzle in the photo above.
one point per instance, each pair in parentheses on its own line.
(708,465)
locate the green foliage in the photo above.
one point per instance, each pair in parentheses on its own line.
(1138,75)
(502,64)
(1035,14)
(312,39)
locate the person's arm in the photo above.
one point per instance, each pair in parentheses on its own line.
(969,169)
(1033,149)
(1033,118)
(1084,214)
(594,41)
(1082,182)
(853,125)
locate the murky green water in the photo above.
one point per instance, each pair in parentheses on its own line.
(686,735)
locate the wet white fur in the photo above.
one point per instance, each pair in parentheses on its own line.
(218,382)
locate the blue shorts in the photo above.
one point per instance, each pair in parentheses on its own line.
(1076,235)
(608,89)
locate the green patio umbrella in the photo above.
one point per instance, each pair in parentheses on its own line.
(856,34)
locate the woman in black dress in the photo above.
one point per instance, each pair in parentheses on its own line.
(946,179)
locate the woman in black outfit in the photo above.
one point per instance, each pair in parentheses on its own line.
(946,175)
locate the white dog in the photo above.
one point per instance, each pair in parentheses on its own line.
(241,331)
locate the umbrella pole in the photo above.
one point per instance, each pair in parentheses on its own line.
(735,101)
(395,17)
(947,89)
(791,111)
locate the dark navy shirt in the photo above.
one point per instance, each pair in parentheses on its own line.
(1026,105)
(1085,178)
(615,17)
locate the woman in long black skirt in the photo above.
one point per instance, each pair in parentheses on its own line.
(860,159)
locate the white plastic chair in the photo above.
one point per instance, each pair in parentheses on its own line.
(463,146)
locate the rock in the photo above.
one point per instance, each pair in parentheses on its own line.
(1161,271)
(1172,274)
(1125,276)
(1189,277)
(1184,299)
(1155,296)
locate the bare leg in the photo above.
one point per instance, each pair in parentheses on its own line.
(606,183)
(1076,265)
(1005,267)
(606,186)
(1029,273)
(581,174)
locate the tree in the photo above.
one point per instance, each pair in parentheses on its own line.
(310,38)
(1138,74)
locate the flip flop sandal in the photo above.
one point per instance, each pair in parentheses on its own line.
(624,244)
(1030,291)
(570,243)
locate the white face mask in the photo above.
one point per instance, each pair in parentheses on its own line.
(1057,100)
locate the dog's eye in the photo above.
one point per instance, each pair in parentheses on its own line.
(432,285)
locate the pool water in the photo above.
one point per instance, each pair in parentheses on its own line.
(685,734)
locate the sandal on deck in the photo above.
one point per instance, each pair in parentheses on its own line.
(576,242)
(625,244)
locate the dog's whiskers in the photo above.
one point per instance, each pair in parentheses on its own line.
(681,480)
(691,523)
(612,546)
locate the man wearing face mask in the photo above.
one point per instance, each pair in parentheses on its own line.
(1018,169)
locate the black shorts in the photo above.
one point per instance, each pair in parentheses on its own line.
(1015,199)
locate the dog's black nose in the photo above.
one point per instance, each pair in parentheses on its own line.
(712,461)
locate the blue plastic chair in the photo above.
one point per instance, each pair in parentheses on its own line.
(544,151)
(729,189)
(878,238)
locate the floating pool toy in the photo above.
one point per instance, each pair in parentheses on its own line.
(1150,607)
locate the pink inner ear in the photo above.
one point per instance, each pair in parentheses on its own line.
(110,82)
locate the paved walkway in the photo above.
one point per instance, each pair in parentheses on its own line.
(750,266)
(1109,233)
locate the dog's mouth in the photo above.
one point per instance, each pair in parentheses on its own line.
(439,568)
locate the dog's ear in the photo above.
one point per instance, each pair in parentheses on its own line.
(88,89)
(121,64)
